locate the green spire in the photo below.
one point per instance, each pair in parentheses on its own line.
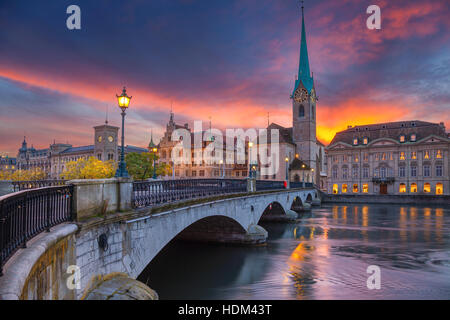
(151,145)
(304,73)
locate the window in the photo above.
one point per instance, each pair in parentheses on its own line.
(355,141)
(426,171)
(439,188)
(413,187)
(312,112)
(384,156)
(345,173)
(402,155)
(376,173)
(383,172)
(110,156)
(401,171)
(344,188)
(413,137)
(355,158)
(377,156)
(365,172)
(365,140)
(402,188)
(334,173)
(413,171)
(202,173)
(355,172)
(439,154)
(426,187)
(335,159)
(237,173)
(402,138)
(414,155)
(355,188)
(194,173)
(365,188)
(426,154)
(439,171)
(365,156)
(301,111)
(99,156)
(335,188)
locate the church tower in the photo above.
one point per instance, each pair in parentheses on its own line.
(304,107)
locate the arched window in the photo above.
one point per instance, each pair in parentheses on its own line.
(426,187)
(355,188)
(344,188)
(413,187)
(439,188)
(402,188)
(301,111)
(312,112)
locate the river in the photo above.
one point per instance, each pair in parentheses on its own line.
(323,255)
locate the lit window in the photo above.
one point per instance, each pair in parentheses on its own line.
(413,187)
(344,188)
(426,187)
(356,158)
(335,188)
(365,188)
(413,155)
(439,188)
(365,140)
(402,155)
(402,138)
(439,154)
(413,137)
(426,154)
(402,188)
(355,188)
(355,141)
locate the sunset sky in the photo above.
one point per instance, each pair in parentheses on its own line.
(231,60)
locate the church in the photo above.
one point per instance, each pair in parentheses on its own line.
(300,151)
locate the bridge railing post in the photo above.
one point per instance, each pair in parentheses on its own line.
(251,184)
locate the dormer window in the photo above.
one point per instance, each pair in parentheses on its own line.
(413,137)
(365,140)
(402,138)
(355,141)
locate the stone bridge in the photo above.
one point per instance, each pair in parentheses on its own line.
(126,242)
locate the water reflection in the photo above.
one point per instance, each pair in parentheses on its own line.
(324,255)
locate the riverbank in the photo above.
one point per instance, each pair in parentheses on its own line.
(387,198)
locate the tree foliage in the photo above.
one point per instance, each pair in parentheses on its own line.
(140,165)
(91,168)
(24,175)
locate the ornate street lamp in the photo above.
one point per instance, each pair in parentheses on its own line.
(250,173)
(155,151)
(287,172)
(124,102)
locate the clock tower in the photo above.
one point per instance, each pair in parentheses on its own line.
(105,145)
(304,107)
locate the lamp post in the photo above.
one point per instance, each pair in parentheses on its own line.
(155,150)
(287,172)
(124,102)
(250,145)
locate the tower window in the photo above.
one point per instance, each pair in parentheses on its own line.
(402,138)
(365,140)
(312,112)
(413,137)
(355,141)
(301,111)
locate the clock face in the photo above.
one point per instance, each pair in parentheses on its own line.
(99,139)
(110,138)
(301,95)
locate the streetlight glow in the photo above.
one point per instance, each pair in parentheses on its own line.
(123,99)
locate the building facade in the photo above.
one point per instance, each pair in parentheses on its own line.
(7,164)
(406,157)
(53,159)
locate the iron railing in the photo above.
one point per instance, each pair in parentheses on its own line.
(33,184)
(262,185)
(149,193)
(25,214)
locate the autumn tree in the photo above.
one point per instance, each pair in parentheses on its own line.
(24,175)
(91,168)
